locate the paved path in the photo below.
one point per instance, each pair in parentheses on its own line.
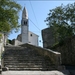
(35,73)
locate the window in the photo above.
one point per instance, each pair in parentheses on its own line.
(29,42)
(24,23)
(30,34)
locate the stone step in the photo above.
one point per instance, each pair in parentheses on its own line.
(34,69)
(25,58)
(16,62)
(36,62)
(22,55)
(27,61)
(17,51)
(27,50)
(21,69)
(24,65)
(27,65)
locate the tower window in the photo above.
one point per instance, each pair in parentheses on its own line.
(30,34)
(24,23)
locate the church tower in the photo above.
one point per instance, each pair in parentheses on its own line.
(24,26)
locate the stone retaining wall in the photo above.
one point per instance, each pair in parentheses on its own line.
(67,50)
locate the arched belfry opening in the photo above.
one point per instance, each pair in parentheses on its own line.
(25,22)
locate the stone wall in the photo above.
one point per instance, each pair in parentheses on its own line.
(16,42)
(67,50)
(47,37)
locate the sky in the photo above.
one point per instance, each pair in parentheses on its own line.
(37,12)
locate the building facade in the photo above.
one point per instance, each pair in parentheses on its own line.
(33,38)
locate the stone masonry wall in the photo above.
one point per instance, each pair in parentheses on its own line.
(15,42)
(67,50)
(47,36)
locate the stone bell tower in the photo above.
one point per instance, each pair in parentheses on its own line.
(24,26)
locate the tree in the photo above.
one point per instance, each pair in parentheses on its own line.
(9,11)
(62,19)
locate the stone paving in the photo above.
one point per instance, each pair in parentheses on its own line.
(35,73)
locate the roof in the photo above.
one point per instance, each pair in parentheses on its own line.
(33,33)
(24,13)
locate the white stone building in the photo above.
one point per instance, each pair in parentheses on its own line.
(26,36)
(33,38)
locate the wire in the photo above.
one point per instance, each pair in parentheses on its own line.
(34,13)
(34,24)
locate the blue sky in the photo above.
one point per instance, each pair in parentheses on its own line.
(37,15)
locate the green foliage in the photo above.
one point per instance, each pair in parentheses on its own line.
(55,44)
(9,41)
(9,11)
(62,19)
(0,35)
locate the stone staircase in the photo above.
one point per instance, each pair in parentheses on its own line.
(24,58)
